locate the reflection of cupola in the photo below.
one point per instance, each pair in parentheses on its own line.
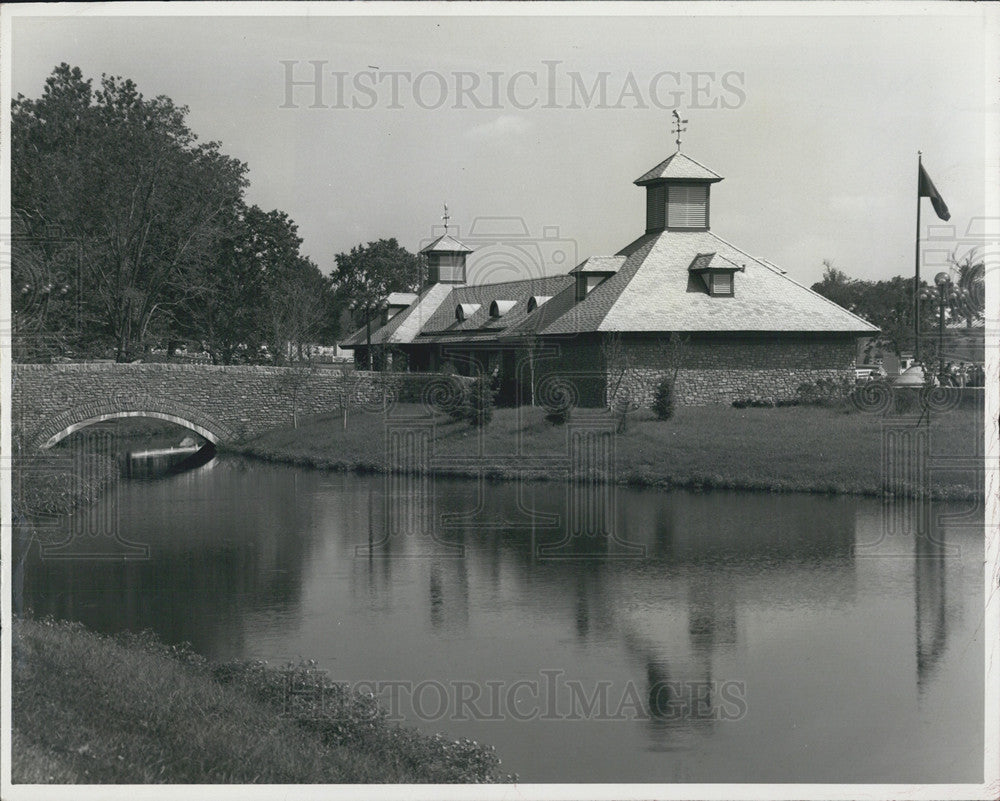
(446,258)
(677,191)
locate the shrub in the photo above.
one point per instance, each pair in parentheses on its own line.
(823,392)
(663,399)
(754,403)
(481,398)
(458,403)
(558,398)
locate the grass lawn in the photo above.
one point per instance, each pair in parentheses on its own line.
(91,708)
(800,448)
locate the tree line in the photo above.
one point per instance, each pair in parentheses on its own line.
(889,304)
(129,233)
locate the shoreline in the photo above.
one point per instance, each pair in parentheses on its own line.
(807,450)
(694,483)
(128,708)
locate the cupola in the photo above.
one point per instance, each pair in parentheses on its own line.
(446,258)
(677,191)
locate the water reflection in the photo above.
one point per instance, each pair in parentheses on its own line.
(750,621)
(929,589)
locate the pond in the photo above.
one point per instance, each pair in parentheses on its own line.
(591,635)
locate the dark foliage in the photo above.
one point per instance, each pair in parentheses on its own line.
(481,401)
(663,399)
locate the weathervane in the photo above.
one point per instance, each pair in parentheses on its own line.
(678,129)
(445,217)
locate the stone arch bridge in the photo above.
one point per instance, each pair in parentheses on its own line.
(222,404)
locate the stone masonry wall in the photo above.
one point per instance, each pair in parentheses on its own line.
(724,370)
(232,403)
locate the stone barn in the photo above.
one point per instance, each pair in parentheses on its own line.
(740,326)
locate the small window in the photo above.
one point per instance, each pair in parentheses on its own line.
(722,284)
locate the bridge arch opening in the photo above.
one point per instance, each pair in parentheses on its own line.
(101,418)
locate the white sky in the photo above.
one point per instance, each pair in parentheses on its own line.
(819,158)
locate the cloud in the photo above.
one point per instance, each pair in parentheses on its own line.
(503,127)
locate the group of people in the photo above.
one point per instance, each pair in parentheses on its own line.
(951,374)
(939,374)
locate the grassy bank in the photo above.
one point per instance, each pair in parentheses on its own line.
(91,708)
(791,449)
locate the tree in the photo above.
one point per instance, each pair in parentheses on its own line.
(617,362)
(125,177)
(365,277)
(674,352)
(970,276)
(887,304)
(261,292)
(837,286)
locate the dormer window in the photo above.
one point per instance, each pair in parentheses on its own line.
(499,308)
(395,303)
(585,284)
(463,311)
(593,272)
(716,273)
(537,300)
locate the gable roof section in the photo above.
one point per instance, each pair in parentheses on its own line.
(681,167)
(543,315)
(407,324)
(653,292)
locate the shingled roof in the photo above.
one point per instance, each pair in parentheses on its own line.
(678,166)
(443,326)
(446,244)
(655,291)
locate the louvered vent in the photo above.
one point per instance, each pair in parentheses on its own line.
(656,204)
(687,207)
(722,284)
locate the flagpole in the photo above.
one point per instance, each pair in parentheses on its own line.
(916,269)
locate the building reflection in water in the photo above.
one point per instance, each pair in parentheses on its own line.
(709,557)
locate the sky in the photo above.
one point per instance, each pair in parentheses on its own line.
(813,119)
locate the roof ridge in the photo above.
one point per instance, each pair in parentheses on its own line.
(784,274)
(513,281)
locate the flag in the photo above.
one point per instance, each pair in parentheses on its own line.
(927,189)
